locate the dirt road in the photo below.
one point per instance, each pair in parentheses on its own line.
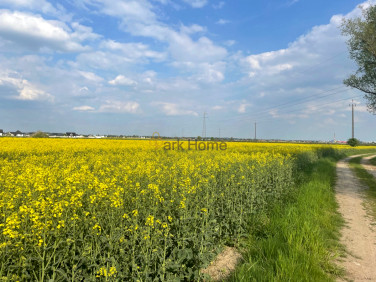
(359,235)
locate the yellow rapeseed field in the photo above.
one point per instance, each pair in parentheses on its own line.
(131,210)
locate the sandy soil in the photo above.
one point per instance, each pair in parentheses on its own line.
(224,264)
(359,236)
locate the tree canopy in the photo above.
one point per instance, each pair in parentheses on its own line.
(353,142)
(361,41)
(40,134)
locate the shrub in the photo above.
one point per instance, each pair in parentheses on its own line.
(353,142)
(40,134)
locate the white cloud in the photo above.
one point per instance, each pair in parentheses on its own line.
(222,22)
(171,109)
(204,75)
(42,6)
(243,107)
(230,43)
(253,62)
(183,48)
(203,72)
(29,92)
(139,19)
(113,55)
(90,76)
(148,77)
(194,28)
(196,3)
(267,63)
(34,32)
(130,10)
(171,86)
(84,109)
(82,33)
(313,63)
(220,5)
(133,51)
(211,73)
(25,89)
(322,48)
(122,80)
(100,60)
(120,107)
(164,2)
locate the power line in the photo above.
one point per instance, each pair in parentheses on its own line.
(310,69)
(295,102)
(309,98)
(269,118)
(266,114)
(315,67)
(302,102)
(321,107)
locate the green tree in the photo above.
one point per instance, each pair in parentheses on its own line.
(40,134)
(361,32)
(353,142)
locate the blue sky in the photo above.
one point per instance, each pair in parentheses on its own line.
(135,67)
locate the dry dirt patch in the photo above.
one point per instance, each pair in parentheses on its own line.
(223,265)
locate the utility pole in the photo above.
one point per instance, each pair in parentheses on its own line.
(352,107)
(204,126)
(255,130)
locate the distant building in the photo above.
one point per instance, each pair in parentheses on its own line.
(17,133)
(57,134)
(1,132)
(71,134)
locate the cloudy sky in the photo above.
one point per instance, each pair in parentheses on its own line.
(139,66)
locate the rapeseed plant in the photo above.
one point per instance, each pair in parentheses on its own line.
(125,210)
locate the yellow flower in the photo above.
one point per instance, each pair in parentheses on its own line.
(150,221)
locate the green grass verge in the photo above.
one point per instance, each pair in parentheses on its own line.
(300,239)
(368,180)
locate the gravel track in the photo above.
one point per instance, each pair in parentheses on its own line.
(359,235)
